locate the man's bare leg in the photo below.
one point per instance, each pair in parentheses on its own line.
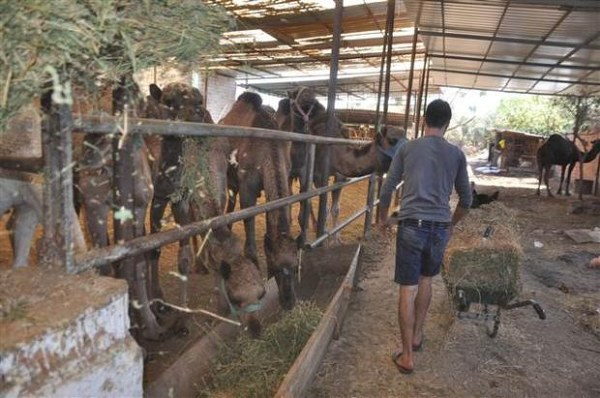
(406,319)
(422,302)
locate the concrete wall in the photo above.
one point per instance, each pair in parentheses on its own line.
(70,338)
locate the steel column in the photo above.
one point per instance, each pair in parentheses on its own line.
(331,121)
(417,115)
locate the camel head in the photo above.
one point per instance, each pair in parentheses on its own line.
(303,105)
(239,280)
(388,142)
(180,101)
(282,264)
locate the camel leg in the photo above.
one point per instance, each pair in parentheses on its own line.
(546,172)
(25,221)
(335,212)
(248,199)
(185,257)
(540,174)
(157,210)
(568,183)
(562,177)
(96,216)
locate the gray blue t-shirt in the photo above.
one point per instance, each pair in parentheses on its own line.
(430,167)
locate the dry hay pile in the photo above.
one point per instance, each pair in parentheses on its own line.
(47,42)
(486,269)
(256,367)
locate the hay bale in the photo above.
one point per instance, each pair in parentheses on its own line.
(485,268)
(255,367)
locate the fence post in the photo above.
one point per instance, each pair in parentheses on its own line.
(305,205)
(370,199)
(56,246)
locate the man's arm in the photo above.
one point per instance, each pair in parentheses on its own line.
(463,188)
(393,178)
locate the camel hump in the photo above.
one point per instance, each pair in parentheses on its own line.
(251,98)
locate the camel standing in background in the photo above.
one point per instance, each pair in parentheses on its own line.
(302,113)
(264,164)
(560,151)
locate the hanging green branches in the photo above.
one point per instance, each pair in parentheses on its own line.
(97,39)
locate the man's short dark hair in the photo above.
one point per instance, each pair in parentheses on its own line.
(438,113)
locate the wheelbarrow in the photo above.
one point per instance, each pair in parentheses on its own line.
(494,300)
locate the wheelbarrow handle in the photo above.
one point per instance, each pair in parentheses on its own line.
(538,308)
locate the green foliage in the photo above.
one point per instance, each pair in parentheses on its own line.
(581,109)
(533,114)
(89,39)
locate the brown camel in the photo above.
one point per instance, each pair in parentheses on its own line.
(192,173)
(302,113)
(94,182)
(558,150)
(259,164)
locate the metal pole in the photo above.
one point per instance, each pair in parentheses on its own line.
(412,67)
(305,206)
(410,79)
(331,121)
(370,201)
(417,114)
(57,242)
(390,21)
(383,63)
(426,93)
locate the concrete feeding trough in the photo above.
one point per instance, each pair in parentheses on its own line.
(328,278)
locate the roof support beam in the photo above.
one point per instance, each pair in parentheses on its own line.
(508,62)
(469,36)
(513,77)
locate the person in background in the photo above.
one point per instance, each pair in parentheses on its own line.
(430,167)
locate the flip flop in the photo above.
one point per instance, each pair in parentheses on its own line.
(401,369)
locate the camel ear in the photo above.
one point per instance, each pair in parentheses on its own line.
(225,270)
(155,92)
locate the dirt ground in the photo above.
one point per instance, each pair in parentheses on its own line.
(556,357)
(559,356)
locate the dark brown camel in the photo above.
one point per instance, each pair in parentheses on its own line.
(192,176)
(265,164)
(94,180)
(560,151)
(302,113)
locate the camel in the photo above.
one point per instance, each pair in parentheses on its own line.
(480,199)
(192,175)
(94,182)
(23,193)
(259,164)
(558,150)
(310,117)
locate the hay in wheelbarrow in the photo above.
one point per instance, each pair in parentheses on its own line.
(255,367)
(486,269)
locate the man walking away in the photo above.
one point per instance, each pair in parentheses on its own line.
(430,168)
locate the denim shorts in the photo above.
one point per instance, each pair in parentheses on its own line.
(419,251)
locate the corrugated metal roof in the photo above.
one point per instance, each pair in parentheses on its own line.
(529,46)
